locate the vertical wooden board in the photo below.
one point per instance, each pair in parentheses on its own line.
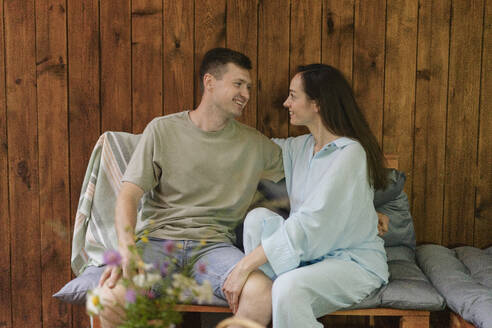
(462,121)
(242,35)
(84,101)
(483,205)
(116,79)
(338,35)
(399,86)
(146,62)
(51,58)
(368,71)
(210,32)
(305,42)
(80,319)
(430,120)
(23,162)
(273,67)
(178,56)
(5,270)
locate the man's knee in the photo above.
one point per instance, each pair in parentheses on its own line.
(112,300)
(256,301)
(258,285)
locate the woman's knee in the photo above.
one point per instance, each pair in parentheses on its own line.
(254,218)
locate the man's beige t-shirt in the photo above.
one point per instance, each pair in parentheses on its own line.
(199,184)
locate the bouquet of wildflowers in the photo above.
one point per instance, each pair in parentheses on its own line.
(153,290)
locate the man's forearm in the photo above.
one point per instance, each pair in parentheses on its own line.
(125,221)
(126,215)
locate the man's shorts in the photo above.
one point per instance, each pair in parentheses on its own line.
(210,261)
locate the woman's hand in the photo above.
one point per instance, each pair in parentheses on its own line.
(233,286)
(383,223)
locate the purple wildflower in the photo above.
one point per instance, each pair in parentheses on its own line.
(163,268)
(130,296)
(112,257)
(150,294)
(169,246)
(202,268)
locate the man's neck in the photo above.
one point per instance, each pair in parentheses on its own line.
(208,118)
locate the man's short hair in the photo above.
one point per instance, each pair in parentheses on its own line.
(216,59)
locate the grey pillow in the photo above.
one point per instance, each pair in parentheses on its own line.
(75,290)
(395,187)
(401,231)
(453,279)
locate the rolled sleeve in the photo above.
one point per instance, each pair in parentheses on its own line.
(277,246)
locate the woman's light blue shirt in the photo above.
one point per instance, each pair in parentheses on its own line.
(332,212)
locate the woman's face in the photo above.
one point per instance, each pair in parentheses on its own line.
(302,110)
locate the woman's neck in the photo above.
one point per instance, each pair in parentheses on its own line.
(321,135)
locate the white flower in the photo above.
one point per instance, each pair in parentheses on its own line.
(93,302)
(204,293)
(145,280)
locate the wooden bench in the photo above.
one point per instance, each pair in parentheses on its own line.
(408,318)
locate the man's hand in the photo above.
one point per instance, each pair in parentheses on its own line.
(110,276)
(383,223)
(113,273)
(233,286)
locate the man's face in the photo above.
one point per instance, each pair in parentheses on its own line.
(231,92)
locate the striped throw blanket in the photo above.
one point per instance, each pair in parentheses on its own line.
(94,230)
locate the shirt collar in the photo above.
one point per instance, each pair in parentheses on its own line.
(342,142)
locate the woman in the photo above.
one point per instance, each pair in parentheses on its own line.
(326,255)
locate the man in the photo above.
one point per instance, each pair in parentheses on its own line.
(199,171)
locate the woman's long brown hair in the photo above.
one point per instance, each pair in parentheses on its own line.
(342,116)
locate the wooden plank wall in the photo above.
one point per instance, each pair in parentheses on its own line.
(72,69)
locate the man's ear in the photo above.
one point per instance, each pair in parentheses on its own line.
(208,81)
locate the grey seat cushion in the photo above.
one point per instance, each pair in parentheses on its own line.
(408,287)
(463,276)
(76,289)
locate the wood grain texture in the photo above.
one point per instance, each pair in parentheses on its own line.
(338,35)
(369,49)
(242,36)
(116,74)
(430,120)
(84,101)
(146,62)
(52,103)
(462,122)
(5,268)
(305,42)
(399,92)
(273,67)
(178,54)
(20,59)
(483,205)
(210,32)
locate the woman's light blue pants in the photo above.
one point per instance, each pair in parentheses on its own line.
(303,294)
